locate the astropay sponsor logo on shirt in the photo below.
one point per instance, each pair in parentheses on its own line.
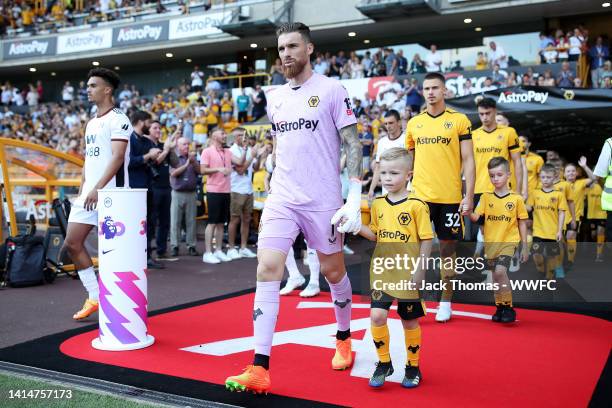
(31,48)
(141,33)
(197,26)
(85,41)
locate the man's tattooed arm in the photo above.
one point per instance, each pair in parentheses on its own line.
(354,151)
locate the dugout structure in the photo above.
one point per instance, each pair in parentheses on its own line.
(31,177)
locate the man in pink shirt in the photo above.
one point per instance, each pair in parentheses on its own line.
(216,163)
(310,115)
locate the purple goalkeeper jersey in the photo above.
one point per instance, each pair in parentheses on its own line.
(305,122)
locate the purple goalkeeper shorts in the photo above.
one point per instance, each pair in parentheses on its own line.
(280,225)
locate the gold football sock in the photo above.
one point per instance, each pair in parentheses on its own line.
(380,334)
(503,298)
(412,337)
(601,239)
(571,250)
(506,298)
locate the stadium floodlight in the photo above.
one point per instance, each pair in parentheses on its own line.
(116,68)
(188,60)
(32,69)
(352,34)
(366,41)
(53,74)
(606,4)
(467,20)
(169,55)
(95,63)
(478,29)
(253,45)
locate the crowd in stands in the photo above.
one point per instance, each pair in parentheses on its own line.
(48,15)
(202,106)
(387,62)
(562,47)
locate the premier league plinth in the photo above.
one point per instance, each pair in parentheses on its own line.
(122,260)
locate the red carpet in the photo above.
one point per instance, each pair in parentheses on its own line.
(545,359)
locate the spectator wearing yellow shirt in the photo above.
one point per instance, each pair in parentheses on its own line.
(481,61)
(260,177)
(200,128)
(227,107)
(360,124)
(40,7)
(158,104)
(170,104)
(194,97)
(57,11)
(184,103)
(213,117)
(376,125)
(27,17)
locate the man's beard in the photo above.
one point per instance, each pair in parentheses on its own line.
(145,130)
(294,70)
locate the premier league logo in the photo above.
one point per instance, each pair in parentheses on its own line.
(111,229)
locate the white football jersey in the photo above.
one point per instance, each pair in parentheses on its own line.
(99,133)
(384,144)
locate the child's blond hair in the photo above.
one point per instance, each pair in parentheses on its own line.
(396,153)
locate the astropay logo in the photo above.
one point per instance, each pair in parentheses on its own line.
(299,124)
(528,97)
(85,41)
(32,47)
(147,32)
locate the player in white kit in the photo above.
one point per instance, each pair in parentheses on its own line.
(107,153)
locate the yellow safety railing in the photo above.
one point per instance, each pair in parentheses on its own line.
(44,177)
(241,77)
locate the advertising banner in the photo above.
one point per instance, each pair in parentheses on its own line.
(85,41)
(29,48)
(198,26)
(534,98)
(140,33)
(357,88)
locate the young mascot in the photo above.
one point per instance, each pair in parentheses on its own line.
(505,226)
(400,225)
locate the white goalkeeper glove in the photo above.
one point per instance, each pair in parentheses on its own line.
(349,215)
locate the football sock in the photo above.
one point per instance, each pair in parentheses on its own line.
(342,294)
(412,337)
(90,281)
(380,335)
(265,313)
